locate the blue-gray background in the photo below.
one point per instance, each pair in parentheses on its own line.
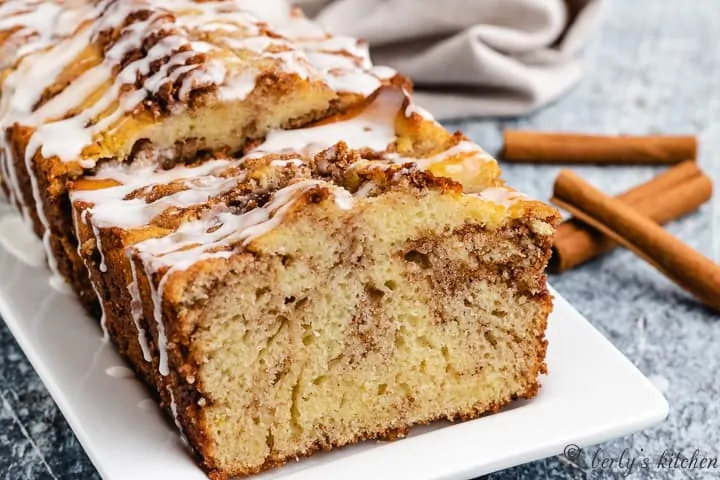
(654,67)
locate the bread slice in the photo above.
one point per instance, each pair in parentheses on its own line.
(331,285)
(110,80)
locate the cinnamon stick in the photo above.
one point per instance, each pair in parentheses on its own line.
(688,268)
(671,195)
(541,147)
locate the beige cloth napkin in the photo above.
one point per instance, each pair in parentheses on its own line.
(471,57)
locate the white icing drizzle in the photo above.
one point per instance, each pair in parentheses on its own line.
(220,232)
(473,156)
(174,411)
(64,138)
(374,128)
(343,199)
(345,64)
(111,209)
(52,261)
(53,34)
(147,173)
(103,317)
(417,109)
(501,195)
(8,193)
(136,311)
(34,22)
(68,137)
(98,246)
(365,190)
(383,72)
(43,23)
(156,294)
(284,163)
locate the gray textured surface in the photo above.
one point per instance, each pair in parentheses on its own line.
(654,68)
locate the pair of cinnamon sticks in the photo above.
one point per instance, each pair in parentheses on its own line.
(633,218)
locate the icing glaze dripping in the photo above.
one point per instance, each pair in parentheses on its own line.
(502,196)
(98,247)
(136,312)
(112,209)
(103,317)
(162,343)
(174,411)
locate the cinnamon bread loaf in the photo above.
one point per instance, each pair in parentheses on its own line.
(289,252)
(336,283)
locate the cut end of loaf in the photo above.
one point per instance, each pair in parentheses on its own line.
(341,326)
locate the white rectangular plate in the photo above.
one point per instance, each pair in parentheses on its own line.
(591,394)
